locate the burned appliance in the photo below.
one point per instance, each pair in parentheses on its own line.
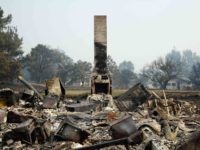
(101,80)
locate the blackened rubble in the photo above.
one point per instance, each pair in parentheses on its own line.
(154,123)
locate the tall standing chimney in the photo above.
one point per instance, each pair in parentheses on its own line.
(101,80)
(100,44)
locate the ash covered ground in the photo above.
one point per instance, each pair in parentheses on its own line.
(47,118)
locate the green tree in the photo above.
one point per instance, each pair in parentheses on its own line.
(10,49)
(76,72)
(161,71)
(127,77)
(84,69)
(113,68)
(68,73)
(44,63)
(127,74)
(189,59)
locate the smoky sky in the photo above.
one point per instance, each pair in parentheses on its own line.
(138,30)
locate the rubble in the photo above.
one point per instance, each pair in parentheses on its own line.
(16,117)
(54,86)
(131,99)
(123,127)
(81,107)
(3,118)
(192,143)
(50,102)
(29,86)
(68,131)
(137,120)
(8,97)
(97,123)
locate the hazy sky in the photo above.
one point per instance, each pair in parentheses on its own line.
(138,30)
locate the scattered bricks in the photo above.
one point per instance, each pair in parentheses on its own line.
(69,132)
(81,107)
(123,127)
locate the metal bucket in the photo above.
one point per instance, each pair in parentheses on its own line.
(123,127)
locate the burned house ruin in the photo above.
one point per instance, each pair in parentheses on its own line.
(139,119)
(101,81)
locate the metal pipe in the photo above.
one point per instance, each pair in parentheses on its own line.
(29,86)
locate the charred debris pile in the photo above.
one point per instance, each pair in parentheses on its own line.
(138,119)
